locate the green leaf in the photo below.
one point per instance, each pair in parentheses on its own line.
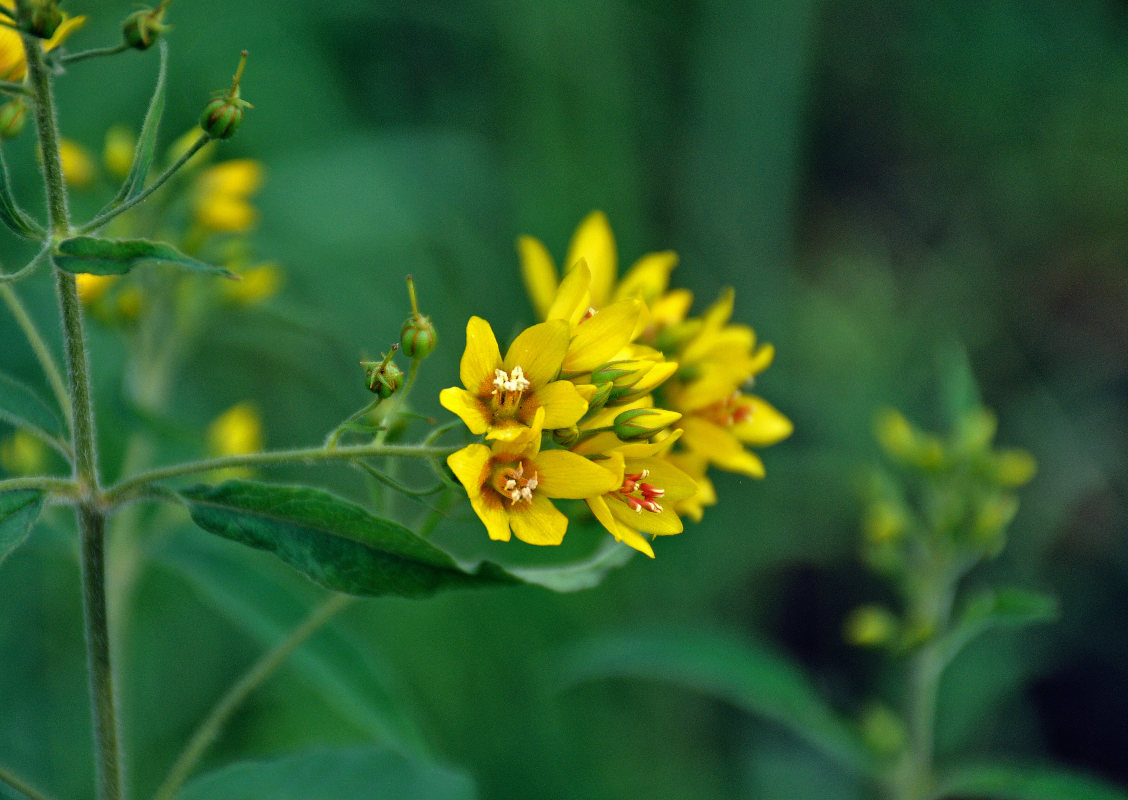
(10,212)
(323,774)
(1025,783)
(147,141)
(18,511)
(344,547)
(1008,607)
(89,254)
(743,673)
(22,407)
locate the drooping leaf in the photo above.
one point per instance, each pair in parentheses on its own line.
(323,774)
(22,407)
(1008,607)
(146,148)
(18,511)
(741,672)
(1006,782)
(90,254)
(346,548)
(10,212)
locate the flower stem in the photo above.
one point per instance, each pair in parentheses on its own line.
(89,510)
(262,669)
(82,55)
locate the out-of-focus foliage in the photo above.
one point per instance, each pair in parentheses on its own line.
(876,179)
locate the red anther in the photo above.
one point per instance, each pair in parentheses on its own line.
(632,503)
(650,492)
(651,506)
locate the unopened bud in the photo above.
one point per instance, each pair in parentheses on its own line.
(601,396)
(870,626)
(642,423)
(13,114)
(223,115)
(566,437)
(383,378)
(142,28)
(417,336)
(40,18)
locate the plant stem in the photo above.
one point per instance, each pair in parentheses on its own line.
(61,486)
(82,55)
(262,669)
(39,347)
(89,510)
(157,183)
(335,435)
(21,786)
(126,489)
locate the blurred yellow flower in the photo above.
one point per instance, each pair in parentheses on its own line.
(13,60)
(257,283)
(92,287)
(222,192)
(79,168)
(235,432)
(117,154)
(23,454)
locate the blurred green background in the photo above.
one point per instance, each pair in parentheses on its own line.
(881,181)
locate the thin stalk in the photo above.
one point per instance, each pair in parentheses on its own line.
(94,52)
(160,181)
(254,677)
(39,347)
(90,514)
(12,87)
(62,486)
(124,490)
(335,436)
(21,786)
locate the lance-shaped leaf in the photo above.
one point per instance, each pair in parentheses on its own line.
(10,212)
(22,407)
(744,673)
(1006,782)
(18,511)
(147,141)
(1007,607)
(344,547)
(323,774)
(90,254)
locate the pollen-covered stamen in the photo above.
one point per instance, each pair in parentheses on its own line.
(506,383)
(512,483)
(633,486)
(591,312)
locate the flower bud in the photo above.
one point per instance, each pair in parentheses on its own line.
(40,18)
(417,336)
(870,626)
(601,396)
(142,28)
(621,374)
(566,437)
(12,117)
(383,378)
(642,423)
(223,115)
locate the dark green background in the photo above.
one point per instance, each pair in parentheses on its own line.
(882,182)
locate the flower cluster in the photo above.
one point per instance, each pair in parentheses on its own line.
(618,398)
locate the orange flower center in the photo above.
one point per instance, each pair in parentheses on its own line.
(515,482)
(728,412)
(508,388)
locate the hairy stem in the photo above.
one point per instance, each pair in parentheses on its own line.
(262,669)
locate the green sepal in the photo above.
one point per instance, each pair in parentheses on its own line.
(146,149)
(1006,782)
(344,547)
(90,254)
(19,509)
(10,213)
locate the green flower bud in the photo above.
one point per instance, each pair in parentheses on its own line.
(883,731)
(141,29)
(383,378)
(223,115)
(12,117)
(642,423)
(621,374)
(40,18)
(566,437)
(417,336)
(870,626)
(601,396)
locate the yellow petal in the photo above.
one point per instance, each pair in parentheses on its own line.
(471,466)
(507,430)
(663,523)
(65,29)
(605,417)
(564,474)
(600,337)
(764,426)
(720,446)
(469,407)
(481,356)
(539,274)
(562,402)
(664,475)
(670,308)
(594,242)
(493,516)
(648,278)
(573,297)
(539,350)
(540,522)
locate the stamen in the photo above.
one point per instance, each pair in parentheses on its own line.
(510,382)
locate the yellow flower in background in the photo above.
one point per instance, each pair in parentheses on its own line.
(93,287)
(504,395)
(222,196)
(117,153)
(511,485)
(13,60)
(257,283)
(235,432)
(645,503)
(79,168)
(23,454)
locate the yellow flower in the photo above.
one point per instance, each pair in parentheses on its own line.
(117,154)
(645,503)
(92,287)
(13,60)
(510,485)
(503,396)
(23,454)
(222,193)
(696,466)
(257,283)
(235,432)
(79,169)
